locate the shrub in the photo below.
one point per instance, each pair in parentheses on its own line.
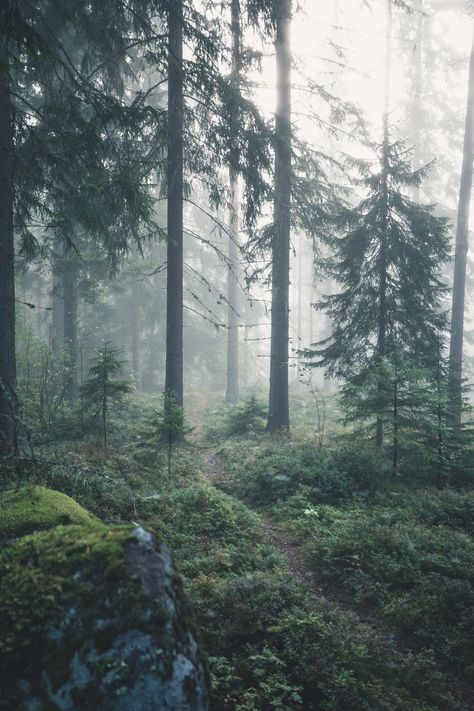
(271,475)
(367,467)
(418,577)
(247,417)
(211,532)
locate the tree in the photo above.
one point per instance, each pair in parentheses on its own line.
(460,259)
(169,425)
(278,412)
(387,260)
(7,274)
(101,387)
(174,287)
(70,329)
(232,386)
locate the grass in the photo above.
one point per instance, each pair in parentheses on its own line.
(275,642)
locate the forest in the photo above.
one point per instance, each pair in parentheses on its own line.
(236,355)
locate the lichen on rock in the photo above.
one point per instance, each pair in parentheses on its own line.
(94,618)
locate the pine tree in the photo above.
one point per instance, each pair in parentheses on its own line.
(278,411)
(232,374)
(387,261)
(8,404)
(174,289)
(101,387)
(460,259)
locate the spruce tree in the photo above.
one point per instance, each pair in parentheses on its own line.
(102,388)
(460,259)
(8,405)
(386,256)
(278,411)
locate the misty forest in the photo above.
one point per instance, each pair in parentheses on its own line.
(236,355)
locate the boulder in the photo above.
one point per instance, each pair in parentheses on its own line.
(94,618)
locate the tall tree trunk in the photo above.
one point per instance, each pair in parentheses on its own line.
(57,305)
(70,292)
(299,305)
(232,385)
(416,113)
(135,331)
(460,260)
(174,294)
(8,401)
(382,296)
(278,413)
(382,306)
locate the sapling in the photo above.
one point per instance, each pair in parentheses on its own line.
(101,387)
(169,424)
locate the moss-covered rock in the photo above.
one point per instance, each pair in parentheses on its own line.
(35,508)
(94,618)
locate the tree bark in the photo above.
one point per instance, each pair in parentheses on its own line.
(278,413)
(232,384)
(57,305)
(299,306)
(70,292)
(382,296)
(135,332)
(8,400)
(174,296)
(460,260)
(416,119)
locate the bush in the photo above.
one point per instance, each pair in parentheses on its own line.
(271,475)
(247,417)
(365,465)
(418,577)
(211,532)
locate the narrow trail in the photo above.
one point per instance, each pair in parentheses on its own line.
(279,539)
(217,475)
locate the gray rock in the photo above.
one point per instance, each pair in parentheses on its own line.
(119,639)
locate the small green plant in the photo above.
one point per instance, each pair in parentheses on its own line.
(247,417)
(101,387)
(169,424)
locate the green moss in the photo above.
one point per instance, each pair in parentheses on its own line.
(36,508)
(61,591)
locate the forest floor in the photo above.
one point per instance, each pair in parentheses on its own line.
(275,535)
(278,538)
(308,593)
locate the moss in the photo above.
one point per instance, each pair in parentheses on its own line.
(36,508)
(69,601)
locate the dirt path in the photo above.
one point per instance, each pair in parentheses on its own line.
(276,536)
(279,539)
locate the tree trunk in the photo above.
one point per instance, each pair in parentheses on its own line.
(382,296)
(135,332)
(232,385)
(70,326)
(278,413)
(174,295)
(416,118)
(105,376)
(299,306)
(8,401)
(460,260)
(57,305)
